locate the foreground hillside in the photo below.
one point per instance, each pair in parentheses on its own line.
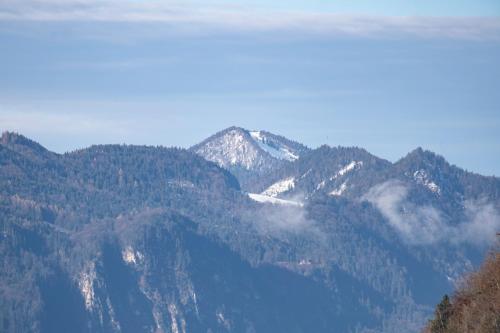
(475,306)
(117,238)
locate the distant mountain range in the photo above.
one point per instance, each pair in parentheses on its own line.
(245,232)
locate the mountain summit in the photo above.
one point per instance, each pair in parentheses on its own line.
(247,153)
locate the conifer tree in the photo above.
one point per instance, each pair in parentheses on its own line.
(442,314)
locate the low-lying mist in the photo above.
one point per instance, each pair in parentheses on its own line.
(427,224)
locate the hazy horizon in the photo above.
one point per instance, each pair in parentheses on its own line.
(387,77)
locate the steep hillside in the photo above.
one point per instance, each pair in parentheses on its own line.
(475,306)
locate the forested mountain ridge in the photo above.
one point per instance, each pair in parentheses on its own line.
(152,239)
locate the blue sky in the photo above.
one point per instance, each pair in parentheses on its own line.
(387,77)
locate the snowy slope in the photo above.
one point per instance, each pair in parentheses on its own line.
(280,187)
(277,150)
(275,201)
(231,148)
(333,171)
(238,148)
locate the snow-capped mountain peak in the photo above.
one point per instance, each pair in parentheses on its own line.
(239,148)
(231,147)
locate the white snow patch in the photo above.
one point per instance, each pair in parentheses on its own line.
(280,187)
(112,316)
(305,174)
(321,185)
(222,320)
(256,135)
(275,201)
(172,309)
(305,262)
(282,152)
(423,179)
(195,301)
(339,191)
(130,256)
(86,284)
(354,165)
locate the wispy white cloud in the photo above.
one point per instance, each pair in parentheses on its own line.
(200,18)
(426,224)
(417,224)
(280,220)
(484,223)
